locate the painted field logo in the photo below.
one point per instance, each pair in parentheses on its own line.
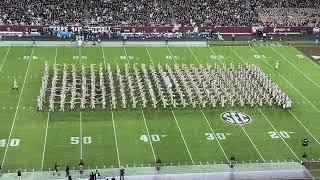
(236,117)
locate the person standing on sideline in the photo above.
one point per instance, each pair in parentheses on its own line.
(0,171)
(19,174)
(122,173)
(56,169)
(81,166)
(67,170)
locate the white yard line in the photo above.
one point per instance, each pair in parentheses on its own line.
(81,152)
(310,60)
(45,142)
(289,83)
(255,147)
(171,55)
(5,58)
(149,56)
(150,140)
(16,112)
(113,124)
(194,55)
(47,126)
(185,143)
(215,55)
(303,126)
(115,137)
(295,67)
(205,117)
(278,134)
(252,143)
(215,137)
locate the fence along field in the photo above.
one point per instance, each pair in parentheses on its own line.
(34,140)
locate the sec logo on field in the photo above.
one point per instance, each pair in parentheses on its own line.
(238,118)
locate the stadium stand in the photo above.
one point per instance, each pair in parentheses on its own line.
(161,12)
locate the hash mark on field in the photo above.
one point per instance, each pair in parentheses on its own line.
(16,112)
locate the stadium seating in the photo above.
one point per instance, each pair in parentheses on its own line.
(161,12)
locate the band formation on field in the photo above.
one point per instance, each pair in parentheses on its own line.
(71,87)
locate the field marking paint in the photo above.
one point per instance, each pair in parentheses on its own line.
(295,67)
(296,90)
(47,126)
(264,114)
(278,133)
(303,126)
(215,55)
(115,138)
(171,55)
(205,117)
(149,56)
(45,142)
(17,109)
(241,125)
(81,152)
(252,143)
(215,137)
(309,59)
(113,124)
(290,84)
(150,140)
(185,143)
(194,55)
(5,58)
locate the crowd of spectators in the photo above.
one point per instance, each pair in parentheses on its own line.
(161,12)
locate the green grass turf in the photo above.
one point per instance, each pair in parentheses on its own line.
(116,135)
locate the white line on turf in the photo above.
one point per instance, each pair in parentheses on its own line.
(289,83)
(303,126)
(214,134)
(5,58)
(17,109)
(145,123)
(171,55)
(278,133)
(115,139)
(113,124)
(81,152)
(194,55)
(149,56)
(215,55)
(45,142)
(295,67)
(185,143)
(252,143)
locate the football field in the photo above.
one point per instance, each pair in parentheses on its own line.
(33,140)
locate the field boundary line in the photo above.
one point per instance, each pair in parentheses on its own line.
(290,84)
(5,58)
(113,124)
(17,109)
(45,142)
(278,133)
(295,67)
(115,137)
(185,143)
(150,140)
(296,118)
(207,121)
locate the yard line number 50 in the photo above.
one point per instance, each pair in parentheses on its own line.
(12,143)
(76,140)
